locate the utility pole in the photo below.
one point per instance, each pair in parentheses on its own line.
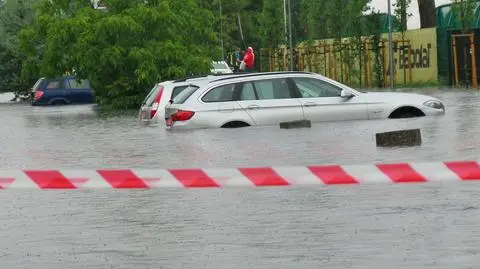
(390,47)
(221,30)
(290,30)
(285,29)
(285,20)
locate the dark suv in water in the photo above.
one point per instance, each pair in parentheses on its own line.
(62,91)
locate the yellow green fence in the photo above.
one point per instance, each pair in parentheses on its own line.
(363,61)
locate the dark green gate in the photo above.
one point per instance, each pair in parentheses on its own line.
(448,24)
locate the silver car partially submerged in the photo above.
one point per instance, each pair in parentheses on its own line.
(272,98)
(152,110)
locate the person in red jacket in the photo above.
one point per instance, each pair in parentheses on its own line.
(249,60)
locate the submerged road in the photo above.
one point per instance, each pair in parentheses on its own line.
(371,226)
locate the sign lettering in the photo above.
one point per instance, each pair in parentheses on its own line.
(420,57)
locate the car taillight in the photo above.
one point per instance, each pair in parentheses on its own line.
(156,103)
(182,115)
(38,95)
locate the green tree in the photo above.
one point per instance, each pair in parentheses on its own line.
(299,28)
(340,26)
(312,14)
(13,16)
(401,12)
(139,42)
(341,16)
(234,13)
(402,15)
(372,29)
(464,11)
(263,20)
(123,51)
(272,24)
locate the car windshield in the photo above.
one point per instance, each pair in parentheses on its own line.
(185,94)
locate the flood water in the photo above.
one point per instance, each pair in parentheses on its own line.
(384,226)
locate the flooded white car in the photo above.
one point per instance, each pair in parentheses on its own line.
(271,98)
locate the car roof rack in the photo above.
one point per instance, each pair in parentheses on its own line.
(263,74)
(187,78)
(206,76)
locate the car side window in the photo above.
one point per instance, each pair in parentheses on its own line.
(85,84)
(220,94)
(74,84)
(53,84)
(273,89)
(177,90)
(314,88)
(248,92)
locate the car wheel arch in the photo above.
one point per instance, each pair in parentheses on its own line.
(236,124)
(399,111)
(61,101)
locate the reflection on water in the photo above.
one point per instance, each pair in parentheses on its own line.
(82,136)
(364,227)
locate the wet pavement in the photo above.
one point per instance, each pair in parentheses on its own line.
(428,226)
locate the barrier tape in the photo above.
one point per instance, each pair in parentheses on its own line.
(242,177)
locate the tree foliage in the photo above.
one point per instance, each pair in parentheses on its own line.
(464,11)
(13,16)
(123,51)
(401,11)
(273,24)
(331,19)
(137,43)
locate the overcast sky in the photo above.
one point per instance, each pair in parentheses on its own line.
(414,20)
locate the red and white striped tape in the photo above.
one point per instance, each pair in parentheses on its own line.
(242,177)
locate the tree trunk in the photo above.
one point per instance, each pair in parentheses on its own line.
(427,13)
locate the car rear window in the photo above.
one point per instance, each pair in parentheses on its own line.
(151,96)
(37,84)
(185,94)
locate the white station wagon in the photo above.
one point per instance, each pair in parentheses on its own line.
(272,98)
(152,110)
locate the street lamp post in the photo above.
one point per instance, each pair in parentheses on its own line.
(221,31)
(285,20)
(390,47)
(290,33)
(285,29)
(288,30)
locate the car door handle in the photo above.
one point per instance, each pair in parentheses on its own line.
(253,107)
(310,104)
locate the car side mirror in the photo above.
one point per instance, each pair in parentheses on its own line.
(346,94)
